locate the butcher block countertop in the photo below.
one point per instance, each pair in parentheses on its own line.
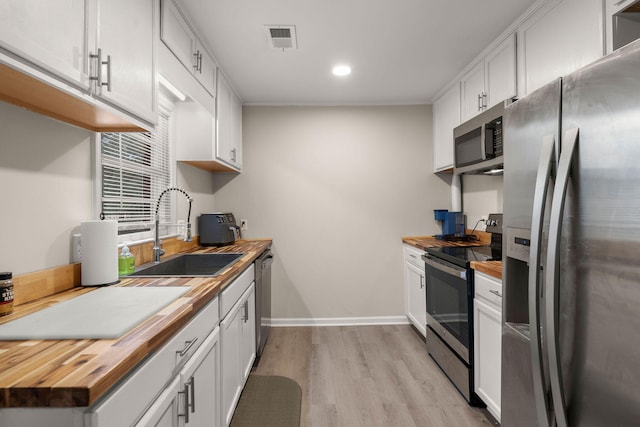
(492,268)
(75,373)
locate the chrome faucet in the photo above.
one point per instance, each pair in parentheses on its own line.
(157,247)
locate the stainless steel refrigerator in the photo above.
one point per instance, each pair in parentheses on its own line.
(571,306)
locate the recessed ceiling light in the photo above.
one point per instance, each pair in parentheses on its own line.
(341,70)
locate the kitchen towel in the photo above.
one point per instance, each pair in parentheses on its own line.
(99,252)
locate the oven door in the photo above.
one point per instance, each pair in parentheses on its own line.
(448,296)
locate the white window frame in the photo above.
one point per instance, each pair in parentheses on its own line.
(165,106)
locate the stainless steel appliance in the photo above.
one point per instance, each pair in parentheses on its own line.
(571,282)
(478,143)
(449,293)
(263,299)
(217,229)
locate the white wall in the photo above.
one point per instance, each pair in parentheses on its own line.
(45,189)
(336,188)
(481,195)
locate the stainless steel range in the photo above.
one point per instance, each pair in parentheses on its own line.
(449,284)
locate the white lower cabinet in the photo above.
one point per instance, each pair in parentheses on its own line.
(193,396)
(487,312)
(237,331)
(415,290)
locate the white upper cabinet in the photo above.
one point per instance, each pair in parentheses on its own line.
(229,124)
(491,81)
(473,94)
(85,62)
(125,42)
(57,45)
(558,39)
(446,116)
(205,69)
(500,72)
(622,23)
(179,37)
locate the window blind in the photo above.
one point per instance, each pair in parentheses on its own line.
(135,169)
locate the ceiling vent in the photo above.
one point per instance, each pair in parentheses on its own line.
(282,36)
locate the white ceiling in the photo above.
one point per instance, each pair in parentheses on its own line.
(401,51)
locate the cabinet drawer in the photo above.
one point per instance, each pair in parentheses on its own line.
(488,289)
(414,256)
(128,401)
(232,293)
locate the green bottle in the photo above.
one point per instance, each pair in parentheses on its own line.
(126,262)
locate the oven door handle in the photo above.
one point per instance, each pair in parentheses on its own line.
(454,271)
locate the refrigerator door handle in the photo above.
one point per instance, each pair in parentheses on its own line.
(535,292)
(570,143)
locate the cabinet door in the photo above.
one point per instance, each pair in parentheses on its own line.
(488,354)
(50,34)
(125,37)
(195,129)
(500,72)
(416,303)
(472,88)
(224,113)
(553,43)
(164,411)
(248,339)
(236,131)
(176,34)
(230,364)
(205,69)
(446,116)
(201,382)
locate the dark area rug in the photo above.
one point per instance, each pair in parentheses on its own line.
(268,401)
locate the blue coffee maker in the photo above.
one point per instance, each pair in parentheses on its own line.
(452,223)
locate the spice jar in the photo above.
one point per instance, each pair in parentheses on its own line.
(6,293)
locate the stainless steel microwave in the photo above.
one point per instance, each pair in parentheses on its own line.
(477,143)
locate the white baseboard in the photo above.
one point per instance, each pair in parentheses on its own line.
(340,321)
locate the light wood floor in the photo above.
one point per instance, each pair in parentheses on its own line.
(366,376)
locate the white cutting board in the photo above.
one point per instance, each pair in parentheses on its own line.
(104,313)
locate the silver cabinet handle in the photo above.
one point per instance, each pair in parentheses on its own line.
(185,393)
(496,293)
(421,281)
(187,346)
(479,102)
(535,291)
(198,65)
(233,154)
(192,400)
(98,57)
(569,144)
(413,256)
(99,63)
(245,307)
(108,64)
(484,100)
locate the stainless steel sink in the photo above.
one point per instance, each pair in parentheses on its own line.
(189,265)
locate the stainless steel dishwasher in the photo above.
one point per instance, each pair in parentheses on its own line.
(263,299)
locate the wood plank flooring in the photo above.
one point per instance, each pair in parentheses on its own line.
(366,376)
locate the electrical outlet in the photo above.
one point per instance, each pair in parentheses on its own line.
(244,225)
(76,248)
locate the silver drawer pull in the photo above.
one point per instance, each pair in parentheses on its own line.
(413,256)
(496,293)
(185,393)
(187,346)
